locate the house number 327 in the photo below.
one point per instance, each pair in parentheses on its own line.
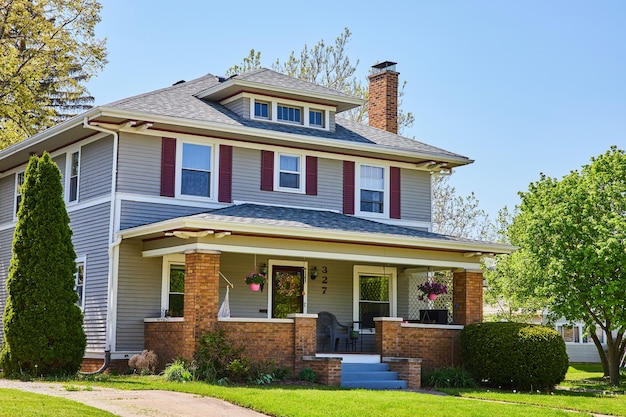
(324,279)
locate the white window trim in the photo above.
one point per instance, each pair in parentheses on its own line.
(270,274)
(83,260)
(269,110)
(68,173)
(305,107)
(391,272)
(277,187)
(17,193)
(386,191)
(168,261)
(214,169)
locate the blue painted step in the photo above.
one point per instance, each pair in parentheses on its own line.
(370,376)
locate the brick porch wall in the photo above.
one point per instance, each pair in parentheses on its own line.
(467,297)
(165,338)
(328,370)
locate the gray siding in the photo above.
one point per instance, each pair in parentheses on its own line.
(237,107)
(91,234)
(139,164)
(139,294)
(96,160)
(415,195)
(60,161)
(245,109)
(247,183)
(403,296)
(6,239)
(7,198)
(135,213)
(331,122)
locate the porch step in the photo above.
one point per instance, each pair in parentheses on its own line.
(370,376)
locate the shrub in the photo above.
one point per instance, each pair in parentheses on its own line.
(177,371)
(145,363)
(215,353)
(307,374)
(514,355)
(448,378)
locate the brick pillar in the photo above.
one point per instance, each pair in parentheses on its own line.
(304,339)
(467,298)
(201,297)
(383,98)
(388,335)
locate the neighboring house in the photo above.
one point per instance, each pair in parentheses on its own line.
(173,193)
(580,348)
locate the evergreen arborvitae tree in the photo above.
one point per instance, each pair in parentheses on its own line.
(43,326)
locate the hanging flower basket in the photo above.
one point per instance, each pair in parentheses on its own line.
(256,280)
(431,290)
(255,287)
(432,296)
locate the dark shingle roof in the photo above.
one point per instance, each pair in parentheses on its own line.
(179,101)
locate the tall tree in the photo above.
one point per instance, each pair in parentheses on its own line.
(43,326)
(49,52)
(574,232)
(327,65)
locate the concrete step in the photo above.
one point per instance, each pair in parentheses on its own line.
(364,367)
(370,376)
(375,384)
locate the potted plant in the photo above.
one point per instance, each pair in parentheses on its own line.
(255,280)
(432,289)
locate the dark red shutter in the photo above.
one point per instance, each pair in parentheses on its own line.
(168,167)
(311,175)
(348,187)
(267,170)
(225,188)
(394,194)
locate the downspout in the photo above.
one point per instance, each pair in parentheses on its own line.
(113,246)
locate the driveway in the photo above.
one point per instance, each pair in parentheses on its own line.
(126,403)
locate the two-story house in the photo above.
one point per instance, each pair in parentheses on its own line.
(177,194)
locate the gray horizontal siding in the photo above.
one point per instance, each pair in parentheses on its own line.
(139,164)
(236,106)
(415,195)
(60,161)
(135,213)
(245,110)
(331,122)
(138,296)
(6,240)
(7,198)
(247,183)
(91,234)
(96,160)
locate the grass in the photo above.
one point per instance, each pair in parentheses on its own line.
(14,403)
(590,377)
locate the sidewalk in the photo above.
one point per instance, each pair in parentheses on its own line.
(126,403)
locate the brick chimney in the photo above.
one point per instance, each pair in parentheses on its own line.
(383,97)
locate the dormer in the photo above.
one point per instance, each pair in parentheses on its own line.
(266,95)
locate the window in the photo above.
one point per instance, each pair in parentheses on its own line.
(261,110)
(374,294)
(79,282)
(289,172)
(73,176)
(372,189)
(289,114)
(196,170)
(176,300)
(316,118)
(19,181)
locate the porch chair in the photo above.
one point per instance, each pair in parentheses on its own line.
(330,330)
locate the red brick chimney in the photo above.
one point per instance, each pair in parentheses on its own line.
(383,97)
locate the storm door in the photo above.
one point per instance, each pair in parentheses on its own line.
(287,290)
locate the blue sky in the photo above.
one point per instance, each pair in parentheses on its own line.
(521,87)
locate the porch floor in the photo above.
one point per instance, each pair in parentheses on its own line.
(351,357)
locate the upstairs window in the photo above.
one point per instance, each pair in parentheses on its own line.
(289,172)
(19,181)
(74,169)
(79,283)
(372,190)
(261,110)
(316,118)
(196,170)
(289,114)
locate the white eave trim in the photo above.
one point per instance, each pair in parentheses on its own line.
(287,137)
(333,235)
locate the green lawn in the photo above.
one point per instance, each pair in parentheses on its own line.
(14,403)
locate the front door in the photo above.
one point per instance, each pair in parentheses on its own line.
(287,290)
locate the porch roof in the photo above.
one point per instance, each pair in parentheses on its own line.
(302,223)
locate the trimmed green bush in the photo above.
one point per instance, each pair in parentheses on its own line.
(514,355)
(43,326)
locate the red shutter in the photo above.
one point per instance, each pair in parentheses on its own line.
(267,170)
(168,167)
(348,187)
(394,194)
(224,194)
(311,175)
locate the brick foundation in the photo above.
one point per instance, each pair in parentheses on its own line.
(328,370)
(165,338)
(91,364)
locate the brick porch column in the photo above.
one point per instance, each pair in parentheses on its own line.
(467,298)
(304,338)
(388,335)
(201,297)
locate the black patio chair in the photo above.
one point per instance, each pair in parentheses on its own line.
(330,330)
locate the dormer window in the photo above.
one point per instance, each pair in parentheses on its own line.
(261,110)
(289,114)
(316,118)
